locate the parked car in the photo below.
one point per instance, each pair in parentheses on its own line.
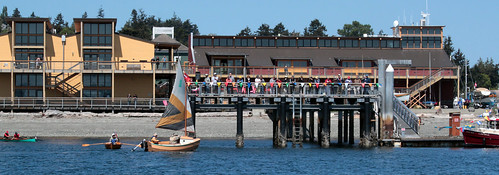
(430,104)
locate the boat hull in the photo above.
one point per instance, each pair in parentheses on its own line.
(19,140)
(476,138)
(186,144)
(109,145)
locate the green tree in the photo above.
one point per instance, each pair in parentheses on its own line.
(140,25)
(58,23)
(381,32)
(33,15)
(100,14)
(264,30)
(67,30)
(458,58)
(294,33)
(279,29)
(448,48)
(245,32)
(4,27)
(315,29)
(84,15)
(16,13)
(356,29)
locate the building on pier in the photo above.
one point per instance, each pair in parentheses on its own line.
(98,62)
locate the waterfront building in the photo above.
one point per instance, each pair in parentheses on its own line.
(99,63)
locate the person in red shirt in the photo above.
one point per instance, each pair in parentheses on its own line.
(16,135)
(6,135)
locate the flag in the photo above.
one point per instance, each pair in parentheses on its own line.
(187,78)
(475,84)
(486,118)
(462,129)
(479,122)
(165,102)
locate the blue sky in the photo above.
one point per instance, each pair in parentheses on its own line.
(473,25)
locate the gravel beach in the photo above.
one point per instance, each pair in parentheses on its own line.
(208,125)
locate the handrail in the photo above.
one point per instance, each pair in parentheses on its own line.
(406,114)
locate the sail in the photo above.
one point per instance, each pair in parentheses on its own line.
(178,111)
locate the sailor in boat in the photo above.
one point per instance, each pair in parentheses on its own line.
(114,139)
(155,139)
(16,136)
(6,135)
(174,139)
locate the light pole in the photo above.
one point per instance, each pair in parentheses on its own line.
(63,39)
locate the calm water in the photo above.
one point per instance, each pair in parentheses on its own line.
(258,157)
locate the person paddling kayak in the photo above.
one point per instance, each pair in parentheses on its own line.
(6,135)
(16,136)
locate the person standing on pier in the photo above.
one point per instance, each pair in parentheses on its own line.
(366,82)
(258,82)
(328,85)
(337,84)
(272,84)
(240,82)
(262,88)
(317,83)
(347,82)
(207,84)
(228,82)
(214,81)
(292,84)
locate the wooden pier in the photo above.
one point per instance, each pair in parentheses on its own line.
(289,112)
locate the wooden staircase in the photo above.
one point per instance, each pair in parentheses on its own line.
(415,90)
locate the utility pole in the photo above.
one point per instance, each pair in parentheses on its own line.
(465,78)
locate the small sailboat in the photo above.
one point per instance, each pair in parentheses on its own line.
(177,116)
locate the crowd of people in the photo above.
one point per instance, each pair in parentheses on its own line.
(288,85)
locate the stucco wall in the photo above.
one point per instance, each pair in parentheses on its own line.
(139,84)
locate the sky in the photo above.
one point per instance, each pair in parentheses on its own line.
(473,25)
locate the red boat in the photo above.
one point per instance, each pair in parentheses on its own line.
(486,137)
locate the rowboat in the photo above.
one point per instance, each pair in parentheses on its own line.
(186,144)
(488,136)
(19,140)
(109,145)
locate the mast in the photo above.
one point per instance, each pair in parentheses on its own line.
(185,103)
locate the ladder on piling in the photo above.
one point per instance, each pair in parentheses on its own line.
(297,123)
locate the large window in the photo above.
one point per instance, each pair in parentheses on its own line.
(224,42)
(349,43)
(358,64)
(226,65)
(328,43)
(97,85)
(97,59)
(29,34)
(29,85)
(411,42)
(431,42)
(245,42)
(26,58)
(202,42)
(307,43)
(265,43)
(369,43)
(97,34)
(286,42)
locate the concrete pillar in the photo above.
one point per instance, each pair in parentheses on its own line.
(345,126)
(340,128)
(388,103)
(326,120)
(239,134)
(311,125)
(351,127)
(282,124)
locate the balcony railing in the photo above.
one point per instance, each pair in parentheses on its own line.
(267,71)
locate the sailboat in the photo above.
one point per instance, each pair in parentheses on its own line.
(177,115)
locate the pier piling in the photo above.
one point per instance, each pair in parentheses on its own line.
(239,134)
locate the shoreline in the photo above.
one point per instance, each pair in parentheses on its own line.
(220,125)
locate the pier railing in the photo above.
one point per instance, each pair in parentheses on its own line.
(406,114)
(276,88)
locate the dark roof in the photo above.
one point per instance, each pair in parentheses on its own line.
(21,19)
(183,48)
(166,41)
(326,57)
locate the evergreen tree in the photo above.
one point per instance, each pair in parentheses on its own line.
(449,49)
(84,15)
(4,27)
(315,29)
(264,30)
(33,15)
(67,30)
(381,32)
(294,33)
(140,25)
(485,74)
(58,23)
(100,14)
(245,32)
(356,29)
(280,29)
(16,13)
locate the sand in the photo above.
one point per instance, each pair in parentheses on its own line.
(208,125)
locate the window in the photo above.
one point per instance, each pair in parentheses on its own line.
(97,80)
(97,59)
(28,85)
(286,43)
(244,42)
(97,34)
(328,43)
(29,34)
(292,63)
(265,43)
